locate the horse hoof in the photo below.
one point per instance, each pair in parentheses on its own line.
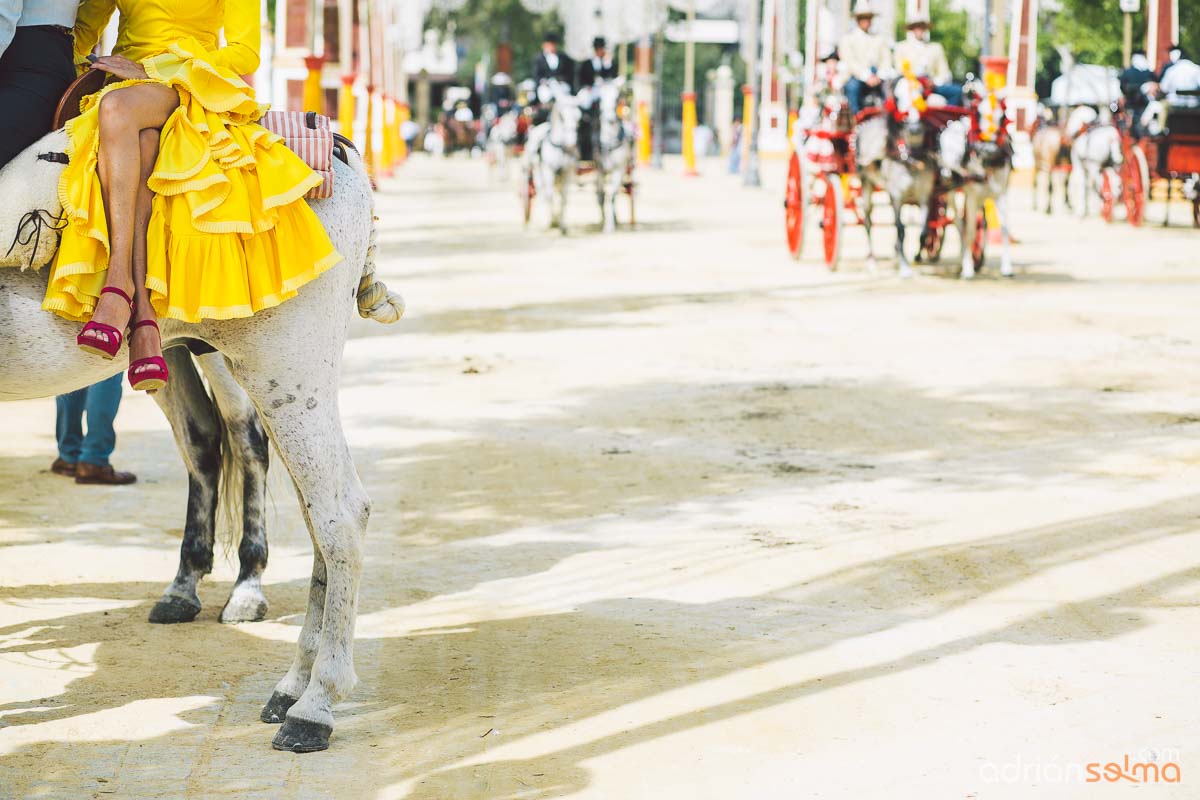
(171,610)
(275,711)
(244,606)
(302,736)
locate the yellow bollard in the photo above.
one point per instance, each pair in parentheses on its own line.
(689,134)
(346,107)
(643,133)
(791,130)
(403,115)
(313,99)
(747,121)
(388,118)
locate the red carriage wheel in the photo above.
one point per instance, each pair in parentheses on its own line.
(832,207)
(794,207)
(1107,199)
(1136,178)
(979,245)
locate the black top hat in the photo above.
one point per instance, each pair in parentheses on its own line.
(551,37)
(599,42)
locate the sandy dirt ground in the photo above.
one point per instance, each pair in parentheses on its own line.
(668,515)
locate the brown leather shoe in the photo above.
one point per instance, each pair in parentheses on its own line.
(106,476)
(60,467)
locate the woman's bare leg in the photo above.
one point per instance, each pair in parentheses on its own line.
(124,114)
(145,341)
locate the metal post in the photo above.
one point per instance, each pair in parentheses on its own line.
(656,159)
(688,106)
(1127,41)
(750,174)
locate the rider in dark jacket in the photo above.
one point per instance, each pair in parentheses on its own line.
(599,67)
(553,65)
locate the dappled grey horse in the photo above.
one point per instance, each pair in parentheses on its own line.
(286,361)
(893,153)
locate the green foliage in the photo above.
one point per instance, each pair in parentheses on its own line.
(482,24)
(1093,31)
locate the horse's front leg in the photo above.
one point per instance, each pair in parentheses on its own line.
(868,190)
(193,419)
(249,460)
(967,226)
(904,267)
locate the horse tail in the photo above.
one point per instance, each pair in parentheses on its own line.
(375,300)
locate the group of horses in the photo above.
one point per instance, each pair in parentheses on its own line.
(1081,149)
(947,162)
(550,155)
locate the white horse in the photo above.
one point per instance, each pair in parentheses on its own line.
(501,143)
(1095,154)
(981,168)
(895,155)
(287,360)
(613,151)
(552,152)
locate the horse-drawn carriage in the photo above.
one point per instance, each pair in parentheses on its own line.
(826,187)
(1172,155)
(551,161)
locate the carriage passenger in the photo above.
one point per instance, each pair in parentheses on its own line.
(865,59)
(928,60)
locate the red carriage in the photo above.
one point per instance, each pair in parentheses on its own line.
(1173,155)
(830,197)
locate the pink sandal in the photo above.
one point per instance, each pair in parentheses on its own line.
(148,374)
(104,349)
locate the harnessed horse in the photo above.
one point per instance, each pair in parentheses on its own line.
(552,152)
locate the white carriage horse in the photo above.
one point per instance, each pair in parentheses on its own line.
(1095,157)
(613,151)
(502,142)
(977,153)
(552,151)
(287,359)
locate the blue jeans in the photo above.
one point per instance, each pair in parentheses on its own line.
(952,92)
(857,92)
(100,401)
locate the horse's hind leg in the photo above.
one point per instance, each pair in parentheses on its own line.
(901,259)
(197,430)
(249,458)
(303,424)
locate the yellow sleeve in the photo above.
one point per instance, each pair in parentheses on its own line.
(243,37)
(90,22)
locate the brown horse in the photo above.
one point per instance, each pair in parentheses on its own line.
(1051,156)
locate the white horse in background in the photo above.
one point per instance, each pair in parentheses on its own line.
(501,143)
(1095,154)
(613,150)
(287,360)
(552,151)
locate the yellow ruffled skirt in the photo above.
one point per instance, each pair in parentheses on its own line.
(230,233)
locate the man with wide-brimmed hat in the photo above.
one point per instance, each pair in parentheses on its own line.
(865,58)
(927,59)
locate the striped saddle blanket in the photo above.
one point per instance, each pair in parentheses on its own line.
(309,136)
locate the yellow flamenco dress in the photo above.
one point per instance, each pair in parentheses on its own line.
(230,233)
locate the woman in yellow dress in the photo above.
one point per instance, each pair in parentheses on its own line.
(177,204)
